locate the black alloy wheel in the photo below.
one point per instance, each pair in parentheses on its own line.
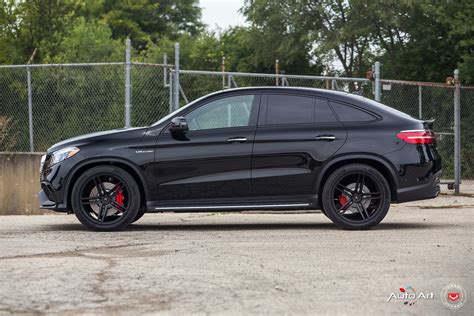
(356,196)
(106,198)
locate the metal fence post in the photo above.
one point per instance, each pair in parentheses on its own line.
(171,91)
(128,86)
(377,81)
(165,70)
(420,103)
(277,72)
(457,132)
(176,86)
(30,109)
(223,72)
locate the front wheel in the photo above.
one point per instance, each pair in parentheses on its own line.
(106,198)
(356,196)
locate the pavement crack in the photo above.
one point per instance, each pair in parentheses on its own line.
(73,253)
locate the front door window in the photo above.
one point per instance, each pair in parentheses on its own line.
(222,113)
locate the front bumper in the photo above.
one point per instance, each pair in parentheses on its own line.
(46,203)
(53,179)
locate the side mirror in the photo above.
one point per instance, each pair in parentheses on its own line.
(178,124)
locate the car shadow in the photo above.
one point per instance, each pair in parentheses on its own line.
(249,226)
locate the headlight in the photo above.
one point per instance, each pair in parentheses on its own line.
(43,159)
(63,154)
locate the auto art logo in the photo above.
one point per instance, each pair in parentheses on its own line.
(409,296)
(453,296)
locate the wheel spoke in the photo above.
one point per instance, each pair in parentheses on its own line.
(343,189)
(363,211)
(100,186)
(116,189)
(371,196)
(90,200)
(118,206)
(102,213)
(344,208)
(360,183)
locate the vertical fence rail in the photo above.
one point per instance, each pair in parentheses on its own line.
(457,132)
(30,109)
(176,85)
(377,81)
(420,103)
(128,85)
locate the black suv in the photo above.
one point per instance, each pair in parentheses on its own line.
(249,149)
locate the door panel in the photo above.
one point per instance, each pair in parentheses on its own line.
(211,161)
(204,165)
(287,157)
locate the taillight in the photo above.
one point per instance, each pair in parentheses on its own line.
(417,137)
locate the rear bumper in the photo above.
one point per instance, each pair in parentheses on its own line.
(424,191)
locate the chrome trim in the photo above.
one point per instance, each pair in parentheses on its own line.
(325,138)
(237,139)
(415,130)
(229,206)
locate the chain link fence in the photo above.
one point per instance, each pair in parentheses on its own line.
(427,102)
(44,104)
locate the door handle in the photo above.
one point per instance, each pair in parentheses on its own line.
(237,140)
(328,138)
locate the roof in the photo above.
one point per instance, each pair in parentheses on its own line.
(325,92)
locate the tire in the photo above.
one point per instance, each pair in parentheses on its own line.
(139,215)
(356,197)
(106,198)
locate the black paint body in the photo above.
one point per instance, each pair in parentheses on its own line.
(277,164)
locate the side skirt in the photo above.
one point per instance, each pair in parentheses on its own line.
(231,208)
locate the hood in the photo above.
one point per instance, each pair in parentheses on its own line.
(98,136)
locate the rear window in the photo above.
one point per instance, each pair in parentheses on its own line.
(347,113)
(289,109)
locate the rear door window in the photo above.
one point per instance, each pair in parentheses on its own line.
(323,112)
(289,109)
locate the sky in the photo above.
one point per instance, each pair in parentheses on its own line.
(221,14)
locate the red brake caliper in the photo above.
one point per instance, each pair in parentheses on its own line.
(119,197)
(342,200)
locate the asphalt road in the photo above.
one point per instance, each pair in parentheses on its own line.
(212,263)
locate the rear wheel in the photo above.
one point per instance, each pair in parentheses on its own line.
(106,198)
(356,196)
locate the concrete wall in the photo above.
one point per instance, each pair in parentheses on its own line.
(19,183)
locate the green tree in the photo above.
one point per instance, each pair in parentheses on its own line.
(275,33)
(147,21)
(86,42)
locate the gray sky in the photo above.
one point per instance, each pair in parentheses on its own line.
(221,13)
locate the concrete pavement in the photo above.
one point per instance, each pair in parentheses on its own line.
(211,263)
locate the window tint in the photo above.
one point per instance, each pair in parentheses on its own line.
(223,113)
(288,109)
(348,113)
(323,114)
